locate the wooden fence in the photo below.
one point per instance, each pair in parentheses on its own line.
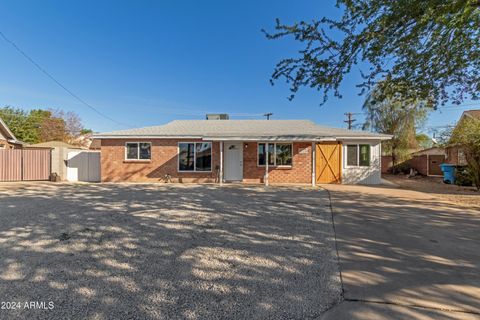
(25,164)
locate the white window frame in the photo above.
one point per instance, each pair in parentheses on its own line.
(194,156)
(138,149)
(274,154)
(3,146)
(358,155)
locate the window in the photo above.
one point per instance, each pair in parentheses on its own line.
(262,154)
(364,155)
(462,159)
(2,146)
(138,151)
(283,153)
(203,156)
(352,155)
(195,156)
(358,155)
(279,154)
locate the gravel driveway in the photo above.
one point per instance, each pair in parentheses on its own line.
(129,251)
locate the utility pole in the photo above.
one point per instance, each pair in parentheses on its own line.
(268,115)
(349,120)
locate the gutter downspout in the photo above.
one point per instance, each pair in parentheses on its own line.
(266,164)
(314,164)
(221,163)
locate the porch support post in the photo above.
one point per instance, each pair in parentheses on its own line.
(221,163)
(314,164)
(266,164)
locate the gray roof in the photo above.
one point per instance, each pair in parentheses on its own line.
(55,144)
(242,130)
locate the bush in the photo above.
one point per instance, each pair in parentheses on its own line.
(463,177)
(403,167)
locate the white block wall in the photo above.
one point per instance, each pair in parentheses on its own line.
(363,175)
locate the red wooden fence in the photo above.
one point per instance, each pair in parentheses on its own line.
(25,164)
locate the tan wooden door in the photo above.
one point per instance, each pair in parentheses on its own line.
(328,162)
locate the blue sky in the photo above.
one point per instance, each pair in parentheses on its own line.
(146,63)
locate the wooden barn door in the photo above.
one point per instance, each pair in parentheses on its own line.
(328,162)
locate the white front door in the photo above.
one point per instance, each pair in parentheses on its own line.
(233,161)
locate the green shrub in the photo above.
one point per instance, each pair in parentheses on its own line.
(403,167)
(463,177)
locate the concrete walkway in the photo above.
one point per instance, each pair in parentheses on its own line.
(405,255)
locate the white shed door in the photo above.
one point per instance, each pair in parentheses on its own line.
(83,166)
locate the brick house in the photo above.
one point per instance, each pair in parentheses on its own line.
(7,138)
(249,151)
(455,154)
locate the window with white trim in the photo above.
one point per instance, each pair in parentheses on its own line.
(138,151)
(195,156)
(358,155)
(279,154)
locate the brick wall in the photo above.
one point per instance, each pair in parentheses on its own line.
(115,168)
(455,155)
(387,164)
(420,164)
(300,172)
(164,161)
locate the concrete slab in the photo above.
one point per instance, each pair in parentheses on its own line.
(375,311)
(408,248)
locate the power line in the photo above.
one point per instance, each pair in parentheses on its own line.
(468,105)
(268,115)
(58,82)
(350,119)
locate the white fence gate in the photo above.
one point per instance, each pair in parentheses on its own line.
(83,166)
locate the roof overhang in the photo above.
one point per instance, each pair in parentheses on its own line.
(13,141)
(382,137)
(248,138)
(100,136)
(9,133)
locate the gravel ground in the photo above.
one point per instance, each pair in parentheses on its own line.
(129,251)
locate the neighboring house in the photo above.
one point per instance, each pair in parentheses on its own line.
(299,152)
(427,162)
(94,145)
(7,138)
(455,154)
(59,155)
(84,141)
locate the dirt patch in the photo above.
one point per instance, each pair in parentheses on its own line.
(463,196)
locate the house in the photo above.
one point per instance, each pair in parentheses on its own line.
(7,138)
(249,151)
(427,162)
(455,154)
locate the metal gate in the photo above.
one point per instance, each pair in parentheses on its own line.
(25,164)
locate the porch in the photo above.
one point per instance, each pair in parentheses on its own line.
(279,162)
